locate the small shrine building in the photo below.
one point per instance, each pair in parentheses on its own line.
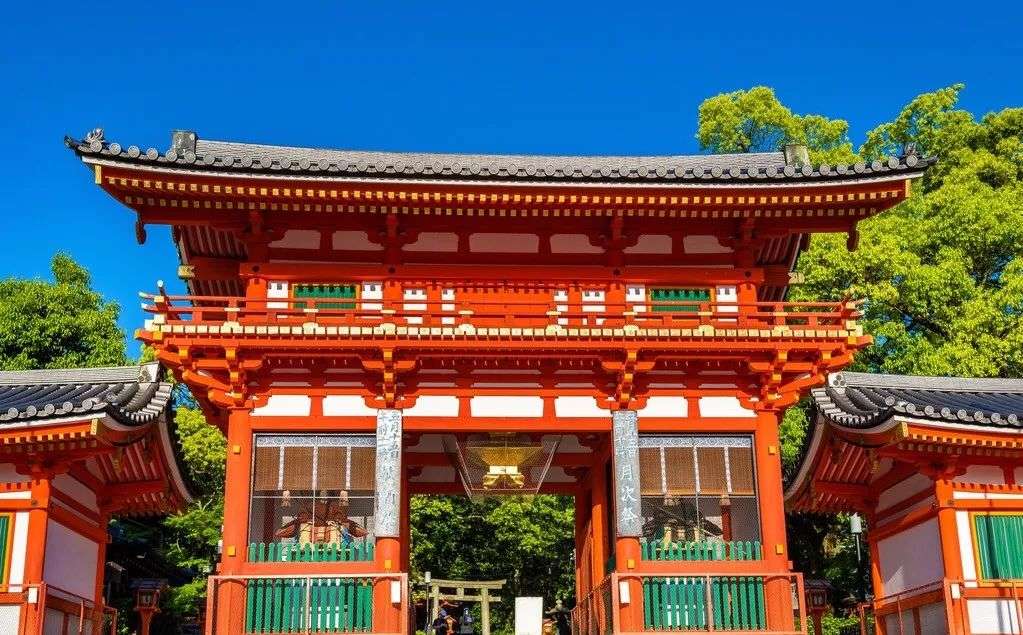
(77,447)
(369,326)
(935,465)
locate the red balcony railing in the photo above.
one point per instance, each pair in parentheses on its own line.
(75,615)
(548,316)
(951,605)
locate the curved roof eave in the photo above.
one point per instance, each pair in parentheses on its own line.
(266,161)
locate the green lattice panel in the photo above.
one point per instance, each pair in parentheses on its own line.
(690,297)
(1000,545)
(325,291)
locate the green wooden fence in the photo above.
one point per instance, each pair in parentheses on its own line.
(316,605)
(681,604)
(319,552)
(735,550)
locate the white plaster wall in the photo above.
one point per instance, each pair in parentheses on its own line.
(991,617)
(901,566)
(723,406)
(19,545)
(76,490)
(353,241)
(277,289)
(298,239)
(903,490)
(573,244)
(347,406)
(965,535)
(71,561)
(9,475)
(53,622)
(434,241)
(933,620)
(908,624)
(285,405)
(704,244)
(434,406)
(578,406)
(506,406)
(504,243)
(651,244)
(665,406)
(10,615)
(982,474)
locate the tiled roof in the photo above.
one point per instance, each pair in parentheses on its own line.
(864,400)
(189,152)
(131,395)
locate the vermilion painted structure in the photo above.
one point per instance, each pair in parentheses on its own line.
(77,447)
(934,464)
(368,326)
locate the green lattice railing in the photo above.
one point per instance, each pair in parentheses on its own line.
(701,550)
(688,604)
(319,552)
(680,300)
(309,605)
(319,292)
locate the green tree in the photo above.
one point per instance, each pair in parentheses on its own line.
(58,324)
(940,274)
(755,120)
(526,540)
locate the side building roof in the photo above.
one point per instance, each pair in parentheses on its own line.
(865,400)
(127,408)
(189,152)
(857,413)
(131,395)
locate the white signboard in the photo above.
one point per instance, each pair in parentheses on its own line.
(528,616)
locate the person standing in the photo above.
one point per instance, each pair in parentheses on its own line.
(440,625)
(465,625)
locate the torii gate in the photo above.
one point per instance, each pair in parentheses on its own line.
(484,598)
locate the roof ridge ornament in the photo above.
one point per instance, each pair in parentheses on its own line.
(796,155)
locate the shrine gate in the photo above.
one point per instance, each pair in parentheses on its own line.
(365,326)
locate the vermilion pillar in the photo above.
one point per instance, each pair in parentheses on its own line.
(228,613)
(772,520)
(35,552)
(628,517)
(387,521)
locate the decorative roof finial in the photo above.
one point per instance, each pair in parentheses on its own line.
(909,149)
(96,134)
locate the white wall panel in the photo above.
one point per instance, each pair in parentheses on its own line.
(901,566)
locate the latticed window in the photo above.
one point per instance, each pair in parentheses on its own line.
(699,498)
(312,497)
(320,292)
(1000,545)
(678,300)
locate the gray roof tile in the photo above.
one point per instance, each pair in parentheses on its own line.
(131,395)
(864,400)
(190,152)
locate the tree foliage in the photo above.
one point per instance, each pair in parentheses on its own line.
(941,274)
(526,540)
(58,324)
(755,120)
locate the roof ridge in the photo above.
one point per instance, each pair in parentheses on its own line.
(926,382)
(137,373)
(188,152)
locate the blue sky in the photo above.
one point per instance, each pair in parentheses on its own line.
(552,77)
